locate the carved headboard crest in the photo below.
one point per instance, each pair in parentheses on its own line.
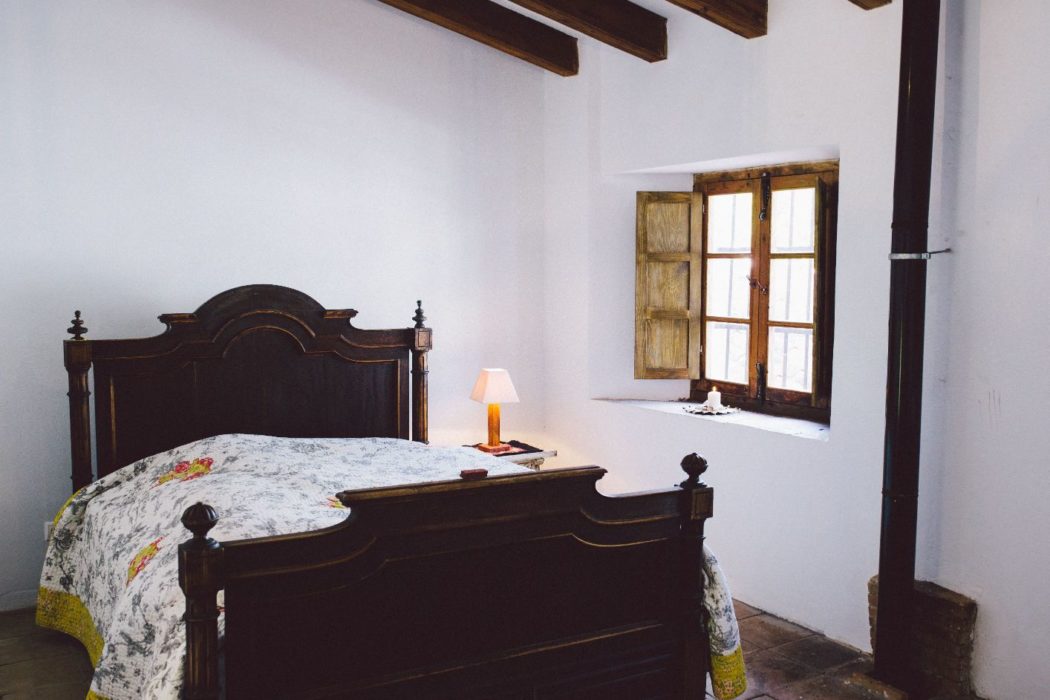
(259,358)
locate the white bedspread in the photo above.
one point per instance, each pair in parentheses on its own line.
(110,575)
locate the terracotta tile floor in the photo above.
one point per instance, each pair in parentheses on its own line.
(784,661)
(788,662)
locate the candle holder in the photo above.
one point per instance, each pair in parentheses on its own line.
(713,406)
(705,410)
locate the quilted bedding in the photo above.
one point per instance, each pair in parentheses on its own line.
(110,574)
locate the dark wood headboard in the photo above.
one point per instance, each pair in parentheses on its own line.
(256,359)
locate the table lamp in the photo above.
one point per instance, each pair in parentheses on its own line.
(493,388)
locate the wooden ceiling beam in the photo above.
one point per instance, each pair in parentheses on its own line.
(744,17)
(870,4)
(618,23)
(500,28)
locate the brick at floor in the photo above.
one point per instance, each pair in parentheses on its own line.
(942,634)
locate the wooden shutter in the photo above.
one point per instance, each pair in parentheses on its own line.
(824,288)
(668,262)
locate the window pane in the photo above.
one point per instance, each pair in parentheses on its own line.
(726,351)
(790,359)
(729,223)
(793,220)
(791,290)
(728,291)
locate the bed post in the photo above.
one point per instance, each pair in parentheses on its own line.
(695,506)
(200,573)
(78,363)
(422,344)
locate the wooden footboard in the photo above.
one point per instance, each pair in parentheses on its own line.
(524,586)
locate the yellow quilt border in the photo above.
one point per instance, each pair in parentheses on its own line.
(64,612)
(728,675)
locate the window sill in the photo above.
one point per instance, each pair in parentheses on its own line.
(796,427)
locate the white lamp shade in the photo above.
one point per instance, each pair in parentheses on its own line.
(494,386)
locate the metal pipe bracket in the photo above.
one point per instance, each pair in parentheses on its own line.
(918,256)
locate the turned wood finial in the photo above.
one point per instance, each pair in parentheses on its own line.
(419,317)
(694,465)
(77,330)
(198,519)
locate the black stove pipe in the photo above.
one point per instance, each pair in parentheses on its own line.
(907,325)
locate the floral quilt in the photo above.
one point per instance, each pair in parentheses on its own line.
(728,675)
(110,574)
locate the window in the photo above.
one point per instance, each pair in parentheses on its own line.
(735,287)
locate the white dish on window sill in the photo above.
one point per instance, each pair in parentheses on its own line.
(708,410)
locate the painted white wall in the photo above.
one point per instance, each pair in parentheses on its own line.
(983,502)
(154,154)
(782,502)
(797,521)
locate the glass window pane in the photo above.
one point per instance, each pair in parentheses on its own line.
(728,291)
(729,223)
(726,352)
(790,359)
(791,290)
(794,220)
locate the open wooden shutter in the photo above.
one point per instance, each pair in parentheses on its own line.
(824,287)
(668,263)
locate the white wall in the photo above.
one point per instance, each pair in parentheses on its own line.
(154,154)
(797,521)
(985,499)
(782,502)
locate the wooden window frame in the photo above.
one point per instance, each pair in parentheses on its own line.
(815,405)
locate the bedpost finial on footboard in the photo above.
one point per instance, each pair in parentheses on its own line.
(694,465)
(78,329)
(419,317)
(200,577)
(199,519)
(696,503)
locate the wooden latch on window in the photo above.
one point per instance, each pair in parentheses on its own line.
(755,284)
(760,371)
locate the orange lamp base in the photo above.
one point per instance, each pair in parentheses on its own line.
(494,446)
(495,449)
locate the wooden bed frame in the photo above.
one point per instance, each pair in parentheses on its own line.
(524,586)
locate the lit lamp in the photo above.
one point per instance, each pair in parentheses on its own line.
(493,388)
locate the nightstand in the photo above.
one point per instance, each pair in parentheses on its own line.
(525,455)
(532,460)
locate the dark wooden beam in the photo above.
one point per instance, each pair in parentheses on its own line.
(744,17)
(500,28)
(870,4)
(618,23)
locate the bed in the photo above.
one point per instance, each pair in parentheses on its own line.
(514,585)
